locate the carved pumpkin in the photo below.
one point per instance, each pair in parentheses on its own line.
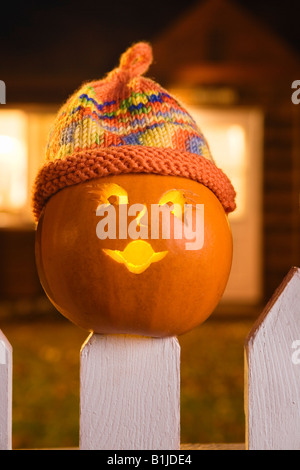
(132,232)
(153,286)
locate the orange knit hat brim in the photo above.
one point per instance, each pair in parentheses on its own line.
(93,163)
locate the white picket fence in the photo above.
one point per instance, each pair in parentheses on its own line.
(130,386)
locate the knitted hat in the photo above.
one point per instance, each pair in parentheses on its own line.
(126,123)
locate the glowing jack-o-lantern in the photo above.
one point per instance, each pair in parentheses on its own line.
(154,286)
(132,233)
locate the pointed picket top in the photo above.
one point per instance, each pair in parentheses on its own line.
(5,393)
(272,371)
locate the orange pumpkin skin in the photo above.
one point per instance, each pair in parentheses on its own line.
(97,293)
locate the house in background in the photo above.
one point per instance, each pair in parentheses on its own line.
(235,76)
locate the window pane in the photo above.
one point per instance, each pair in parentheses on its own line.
(13,160)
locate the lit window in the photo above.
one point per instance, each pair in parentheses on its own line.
(227,138)
(235,137)
(227,144)
(13,161)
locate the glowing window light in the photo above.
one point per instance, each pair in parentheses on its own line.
(227,137)
(13,161)
(228,147)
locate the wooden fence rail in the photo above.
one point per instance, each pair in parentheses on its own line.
(130,395)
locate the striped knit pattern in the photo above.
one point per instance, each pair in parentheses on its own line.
(150,117)
(126,119)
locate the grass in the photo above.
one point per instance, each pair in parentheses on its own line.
(46,382)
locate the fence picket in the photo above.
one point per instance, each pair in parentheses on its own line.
(5,393)
(129,393)
(272,372)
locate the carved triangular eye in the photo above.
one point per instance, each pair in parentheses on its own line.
(175,199)
(109,193)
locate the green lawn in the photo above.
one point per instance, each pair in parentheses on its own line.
(46,382)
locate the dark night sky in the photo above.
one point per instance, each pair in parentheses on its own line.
(66,38)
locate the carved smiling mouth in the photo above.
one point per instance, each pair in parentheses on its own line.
(137,256)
